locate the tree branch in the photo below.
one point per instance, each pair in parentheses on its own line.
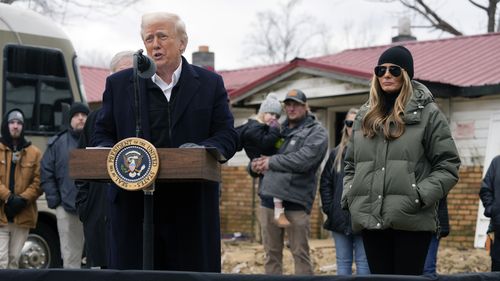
(431,16)
(478,5)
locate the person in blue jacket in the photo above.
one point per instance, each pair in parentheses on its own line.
(60,190)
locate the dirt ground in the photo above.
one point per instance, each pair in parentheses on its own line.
(247,258)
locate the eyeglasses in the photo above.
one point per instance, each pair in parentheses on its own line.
(348,123)
(394,70)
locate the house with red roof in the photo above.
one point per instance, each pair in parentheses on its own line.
(462,72)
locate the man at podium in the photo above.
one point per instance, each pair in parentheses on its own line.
(181,105)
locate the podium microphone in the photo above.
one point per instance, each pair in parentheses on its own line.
(144,65)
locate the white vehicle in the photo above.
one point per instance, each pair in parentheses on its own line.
(39,74)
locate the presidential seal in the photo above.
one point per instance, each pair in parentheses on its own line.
(133,164)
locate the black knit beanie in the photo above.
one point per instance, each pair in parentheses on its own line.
(398,55)
(77,107)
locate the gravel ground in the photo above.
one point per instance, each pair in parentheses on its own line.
(247,258)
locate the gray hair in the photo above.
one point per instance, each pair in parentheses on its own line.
(180,27)
(119,57)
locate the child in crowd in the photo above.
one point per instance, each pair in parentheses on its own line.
(261,136)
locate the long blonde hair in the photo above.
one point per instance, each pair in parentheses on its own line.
(376,119)
(337,162)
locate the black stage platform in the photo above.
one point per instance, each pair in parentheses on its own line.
(137,275)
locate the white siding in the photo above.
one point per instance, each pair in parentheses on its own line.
(477,112)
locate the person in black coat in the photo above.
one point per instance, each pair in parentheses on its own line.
(347,244)
(182,105)
(260,136)
(490,187)
(443,231)
(91,196)
(91,208)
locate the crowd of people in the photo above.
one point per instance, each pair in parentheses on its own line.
(383,188)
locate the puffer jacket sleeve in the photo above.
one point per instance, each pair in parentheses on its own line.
(265,136)
(487,191)
(349,170)
(306,158)
(49,181)
(443,156)
(326,184)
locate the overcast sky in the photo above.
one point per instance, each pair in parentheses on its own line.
(224,25)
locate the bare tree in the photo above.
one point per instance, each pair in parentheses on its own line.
(491,11)
(358,34)
(283,35)
(61,10)
(437,22)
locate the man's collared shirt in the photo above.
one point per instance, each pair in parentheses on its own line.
(167,88)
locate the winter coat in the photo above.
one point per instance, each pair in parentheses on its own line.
(444,220)
(330,189)
(397,184)
(292,171)
(59,188)
(26,179)
(185,213)
(489,193)
(257,138)
(91,207)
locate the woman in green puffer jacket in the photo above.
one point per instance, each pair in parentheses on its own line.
(400,162)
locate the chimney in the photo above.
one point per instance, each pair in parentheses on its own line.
(204,58)
(404,31)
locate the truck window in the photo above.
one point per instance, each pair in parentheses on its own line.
(36,82)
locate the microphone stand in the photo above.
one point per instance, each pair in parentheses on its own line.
(148,225)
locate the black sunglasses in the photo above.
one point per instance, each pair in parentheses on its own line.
(348,123)
(394,70)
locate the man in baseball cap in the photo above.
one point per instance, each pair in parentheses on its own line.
(296,95)
(303,147)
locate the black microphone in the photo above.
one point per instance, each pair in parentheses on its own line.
(144,65)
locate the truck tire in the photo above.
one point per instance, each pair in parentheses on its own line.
(41,249)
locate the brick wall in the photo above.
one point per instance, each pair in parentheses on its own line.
(463,202)
(239,205)
(236,201)
(236,207)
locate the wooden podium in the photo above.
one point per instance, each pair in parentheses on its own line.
(176,164)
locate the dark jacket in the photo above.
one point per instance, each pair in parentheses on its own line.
(397,184)
(330,189)
(292,174)
(26,181)
(257,139)
(490,187)
(91,207)
(444,220)
(59,188)
(186,215)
